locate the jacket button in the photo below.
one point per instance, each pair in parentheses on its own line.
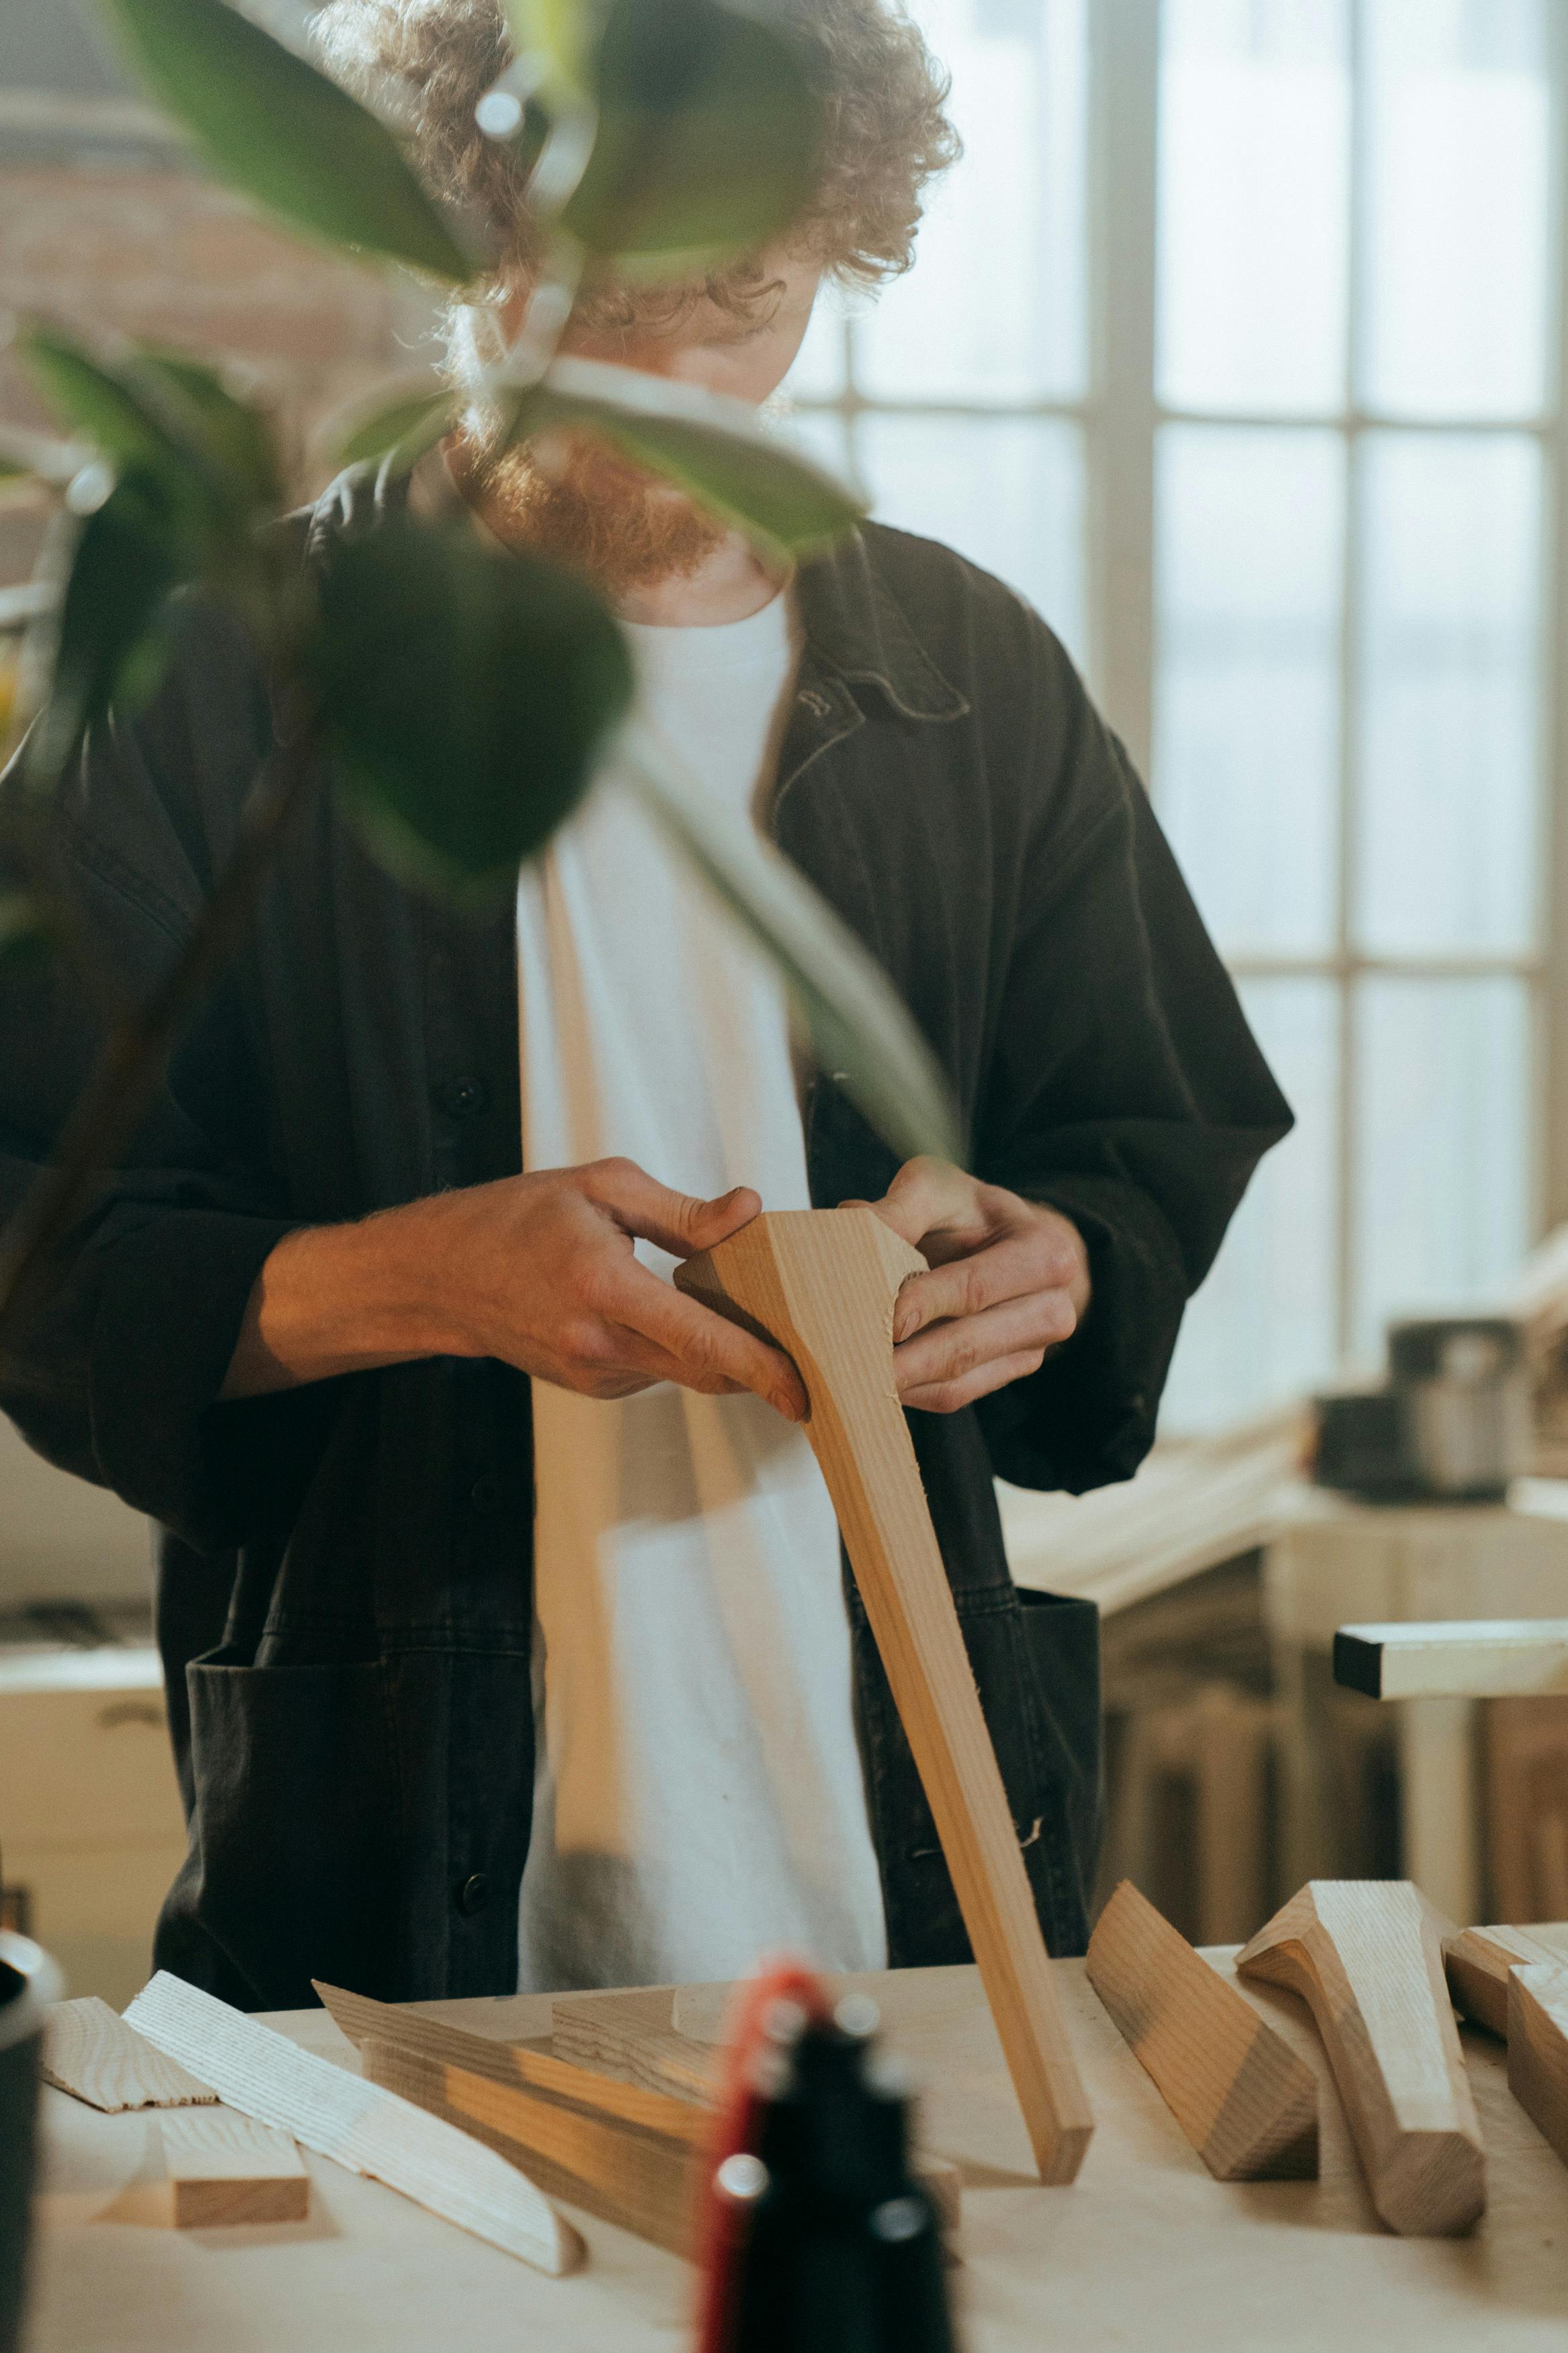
(485,1493)
(473,1894)
(463,1098)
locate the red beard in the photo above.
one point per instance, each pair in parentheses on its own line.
(625,528)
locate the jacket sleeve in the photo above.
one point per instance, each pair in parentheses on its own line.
(1125,1090)
(115,1373)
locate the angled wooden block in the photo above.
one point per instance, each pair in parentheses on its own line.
(1245,2101)
(91,2053)
(822,1283)
(1538,2047)
(1367,1958)
(359,2126)
(513,2065)
(1478,1963)
(1481,1658)
(224,2167)
(631,2037)
(645,2180)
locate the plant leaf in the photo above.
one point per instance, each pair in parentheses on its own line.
(559,32)
(402,427)
(466,692)
(860,1029)
(27,457)
(710,444)
(238,436)
(110,642)
(285,134)
(708,134)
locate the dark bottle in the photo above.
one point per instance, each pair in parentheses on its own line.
(841,2251)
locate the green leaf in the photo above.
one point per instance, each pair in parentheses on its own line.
(239,437)
(102,398)
(709,130)
(466,692)
(860,1029)
(559,34)
(286,135)
(112,643)
(402,427)
(711,445)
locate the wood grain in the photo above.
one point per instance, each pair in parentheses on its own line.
(644,2182)
(823,1284)
(358,2125)
(91,2053)
(631,2037)
(224,2167)
(1481,1658)
(1479,1961)
(1248,2104)
(1538,2047)
(1367,1958)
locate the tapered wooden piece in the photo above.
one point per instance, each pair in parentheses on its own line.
(1248,2104)
(1479,1961)
(224,2167)
(631,2037)
(90,2051)
(822,1284)
(1367,1958)
(1538,2047)
(361,2126)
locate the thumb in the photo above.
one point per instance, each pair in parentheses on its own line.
(679,1223)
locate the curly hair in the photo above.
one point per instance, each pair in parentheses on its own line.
(886,132)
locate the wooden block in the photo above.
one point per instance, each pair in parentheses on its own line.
(358,2125)
(822,1283)
(646,2181)
(1481,1658)
(224,2167)
(512,2064)
(91,2053)
(1248,2104)
(1479,1962)
(1367,1958)
(1536,2030)
(631,2037)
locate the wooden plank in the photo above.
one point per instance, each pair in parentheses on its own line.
(358,2125)
(823,1284)
(1537,2030)
(1367,1958)
(512,2063)
(1479,1658)
(224,2167)
(1479,1961)
(631,2037)
(644,2182)
(91,2053)
(1248,2104)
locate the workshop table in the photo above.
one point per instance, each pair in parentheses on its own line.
(1145,2250)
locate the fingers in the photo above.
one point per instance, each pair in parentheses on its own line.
(676,1222)
(705,1351)
(947,1396)
(927,1194)
(1035,1258)
(949,1352)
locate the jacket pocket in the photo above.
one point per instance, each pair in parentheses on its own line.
(293,1868)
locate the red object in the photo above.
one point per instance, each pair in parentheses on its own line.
(737,2128)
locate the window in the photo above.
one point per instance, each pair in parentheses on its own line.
(1232,344)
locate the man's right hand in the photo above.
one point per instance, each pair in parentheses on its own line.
(538,1270)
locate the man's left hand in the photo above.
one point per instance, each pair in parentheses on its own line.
(1008,1283)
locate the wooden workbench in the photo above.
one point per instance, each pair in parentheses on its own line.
(1146,2251)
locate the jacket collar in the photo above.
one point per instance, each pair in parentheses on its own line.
(856,630)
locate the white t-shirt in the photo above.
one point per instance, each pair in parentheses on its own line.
(699,1798)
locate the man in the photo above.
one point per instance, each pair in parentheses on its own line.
(500,1601)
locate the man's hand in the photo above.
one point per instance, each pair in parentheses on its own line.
(538,1270)
(1009,1282)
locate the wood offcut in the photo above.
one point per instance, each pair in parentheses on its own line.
(1367,1958)
(91,2053)
(1480,1658)
(224,2167)
(358,2125)
(1248,2104)
(1479,1962)
(1538,2047)
(822,1284)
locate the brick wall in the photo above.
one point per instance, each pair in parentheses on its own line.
(151,248)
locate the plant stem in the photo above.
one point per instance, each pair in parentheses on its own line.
(126,1075)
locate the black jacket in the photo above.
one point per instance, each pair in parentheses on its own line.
(344,1600)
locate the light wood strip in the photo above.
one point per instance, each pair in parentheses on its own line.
(1478,1962)
(1481,1658)
(631,2037)
(91,2053)
(224,2167)
(1537,2027)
